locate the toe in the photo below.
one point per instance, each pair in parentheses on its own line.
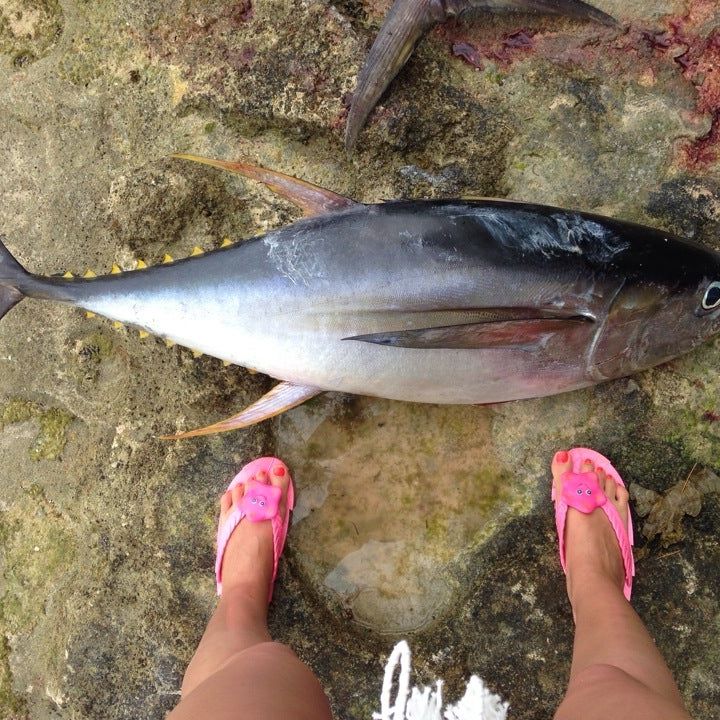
(561,463)
(279,476)
(262,477)
(609,487)
(237,493)
(587,466)
(226,502)
(279,471)
(622,495)
(607,484)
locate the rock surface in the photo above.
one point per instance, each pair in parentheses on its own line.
(433,523)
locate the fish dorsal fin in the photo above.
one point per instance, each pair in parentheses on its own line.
(282,397)
(311,199)
(504,333)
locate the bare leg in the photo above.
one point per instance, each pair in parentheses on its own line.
(237,671)
(617,672)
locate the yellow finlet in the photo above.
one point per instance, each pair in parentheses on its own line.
(226,363)
(117,324)
(167,258)
(115,269)
(143,334)
(89,274)
(197,251)
(196,353)
(226,242)
(68,274)
(252,371)
(169,342)
(141,265)
(89,314)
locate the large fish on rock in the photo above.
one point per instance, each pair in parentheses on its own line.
(438,301)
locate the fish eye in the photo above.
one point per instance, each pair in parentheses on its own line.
(579,491)
(712,297)
(588,492)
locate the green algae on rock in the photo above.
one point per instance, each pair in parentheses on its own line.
(29,29)
(686,407)
(52,436)
(12,704)
(17,410)
(38,556)
(390,494)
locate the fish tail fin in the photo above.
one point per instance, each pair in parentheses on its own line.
(406,22)
(12,274)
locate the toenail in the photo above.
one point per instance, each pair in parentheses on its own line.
(562,456)
(279,471)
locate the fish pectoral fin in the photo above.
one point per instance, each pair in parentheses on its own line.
(473,336)
(282,397)
(311,199)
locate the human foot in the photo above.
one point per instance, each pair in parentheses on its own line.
(247,559)
(592,549)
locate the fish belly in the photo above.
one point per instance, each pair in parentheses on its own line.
(242,330)
(452,376)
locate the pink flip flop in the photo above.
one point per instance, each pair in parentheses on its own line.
(260,502)
(583,492)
